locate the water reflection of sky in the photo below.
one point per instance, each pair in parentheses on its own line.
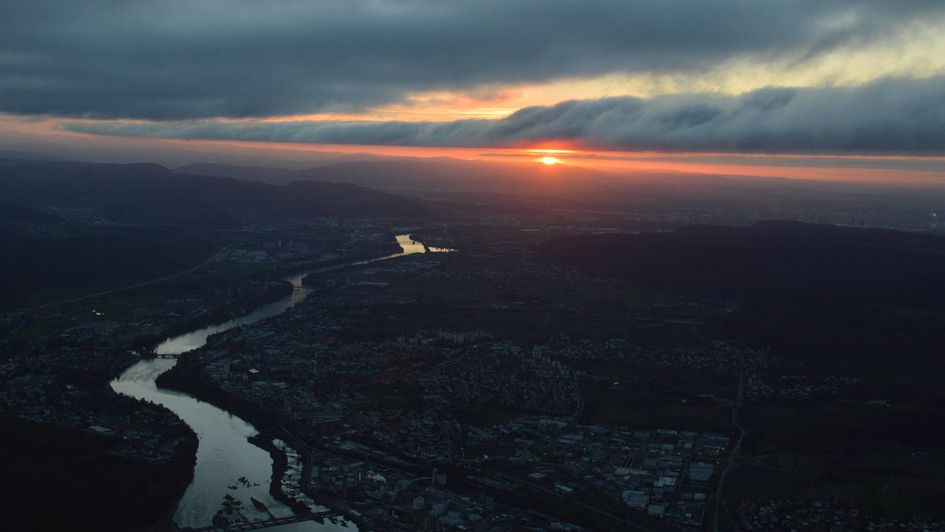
(224,454)
(409,246)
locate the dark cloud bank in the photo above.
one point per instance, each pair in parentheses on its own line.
(888,116)
(177,59)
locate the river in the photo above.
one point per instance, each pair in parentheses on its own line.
(228,467)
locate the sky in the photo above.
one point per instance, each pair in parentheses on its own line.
(814,88)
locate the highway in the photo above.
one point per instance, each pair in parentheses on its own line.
(739,397)
(140,284)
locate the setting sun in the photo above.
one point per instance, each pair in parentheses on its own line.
(549,160)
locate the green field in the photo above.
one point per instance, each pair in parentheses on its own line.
(618,408)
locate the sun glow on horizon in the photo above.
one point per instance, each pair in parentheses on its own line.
(900,169)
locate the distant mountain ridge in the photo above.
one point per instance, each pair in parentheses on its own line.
(419,175)
(151,193)
(276,176)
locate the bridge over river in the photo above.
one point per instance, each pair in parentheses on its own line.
(255,525)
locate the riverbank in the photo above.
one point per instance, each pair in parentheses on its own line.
(275,291)
(187,377)
(234,431)
(316,265)
(279,466)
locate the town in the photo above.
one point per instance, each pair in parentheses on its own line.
(442,389)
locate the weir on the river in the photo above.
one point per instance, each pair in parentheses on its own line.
(228,465)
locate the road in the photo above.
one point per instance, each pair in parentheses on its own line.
(739,397)
(139,285)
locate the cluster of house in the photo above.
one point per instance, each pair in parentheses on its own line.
(665,473)
(823,515)
(391,498)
